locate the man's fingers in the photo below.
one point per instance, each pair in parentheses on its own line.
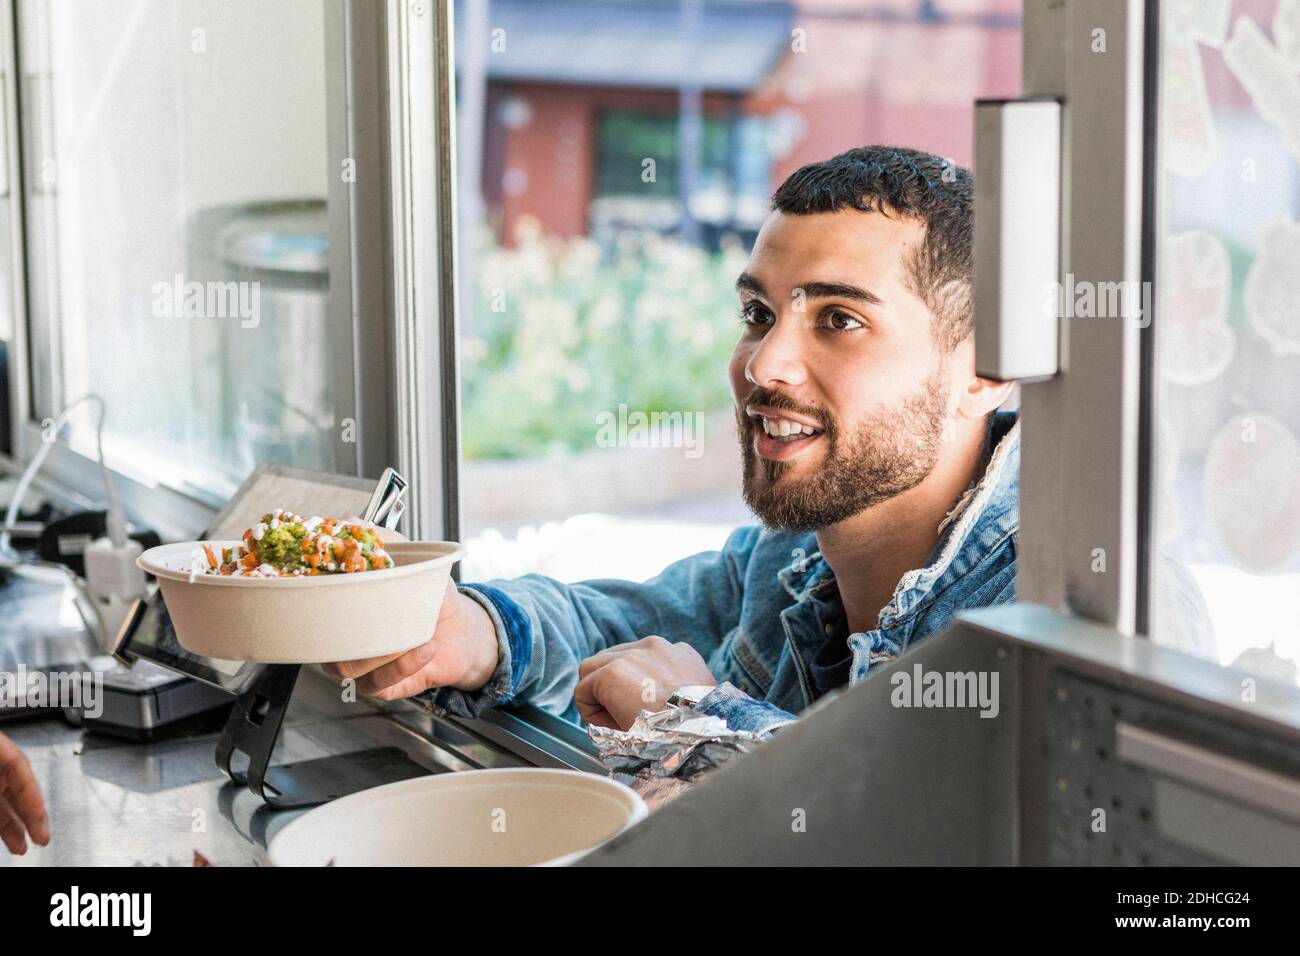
(12,831)
(601,658)
(409,687)
(357,669)
(602,718)
(602,699)
(25,800)
(587,696)
(20,792)
(398,669)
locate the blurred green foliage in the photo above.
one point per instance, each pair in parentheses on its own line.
(566,329)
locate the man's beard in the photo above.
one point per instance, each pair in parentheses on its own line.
(887,454)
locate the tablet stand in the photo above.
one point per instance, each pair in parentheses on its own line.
(253,728)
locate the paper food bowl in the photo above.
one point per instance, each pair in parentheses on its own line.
(304,620)
(509,817)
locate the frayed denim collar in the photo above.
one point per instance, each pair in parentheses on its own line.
(980,520)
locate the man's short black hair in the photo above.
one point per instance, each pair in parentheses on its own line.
(914,185)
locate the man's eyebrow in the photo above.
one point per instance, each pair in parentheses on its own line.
(814,290)
(748,283)
(840,290)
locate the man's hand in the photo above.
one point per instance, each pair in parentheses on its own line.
(620,682)
(462,652)
(22,811)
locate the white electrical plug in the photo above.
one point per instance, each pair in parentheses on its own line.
(111,571)
(114,581)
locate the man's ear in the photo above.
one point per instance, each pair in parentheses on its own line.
(976,396)
(981,396)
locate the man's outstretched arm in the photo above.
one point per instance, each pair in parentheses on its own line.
(524,639)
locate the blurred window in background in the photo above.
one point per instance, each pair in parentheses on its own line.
(615,163)
(731,186)
(1226,422)
(176,173)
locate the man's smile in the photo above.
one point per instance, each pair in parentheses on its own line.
(782,435)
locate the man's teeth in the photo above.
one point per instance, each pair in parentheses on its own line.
(787,430)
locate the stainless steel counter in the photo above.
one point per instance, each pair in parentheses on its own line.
(119,803)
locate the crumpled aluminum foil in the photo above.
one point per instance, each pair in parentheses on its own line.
(664,751)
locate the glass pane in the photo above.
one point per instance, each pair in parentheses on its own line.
(1227,462)
(616,161)
(176,175)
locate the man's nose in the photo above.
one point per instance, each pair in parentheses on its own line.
(778,359)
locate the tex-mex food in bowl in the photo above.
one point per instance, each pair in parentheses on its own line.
(302,590)
(284,544)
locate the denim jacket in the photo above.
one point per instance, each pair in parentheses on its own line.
(757,611)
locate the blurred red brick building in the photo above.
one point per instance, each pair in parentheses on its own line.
(727,97)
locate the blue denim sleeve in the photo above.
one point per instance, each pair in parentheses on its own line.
(514,652)
(545,627)
(742,712)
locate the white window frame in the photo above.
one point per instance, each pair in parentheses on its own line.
(422,149)
(1081,497)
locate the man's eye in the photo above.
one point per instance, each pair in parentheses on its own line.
(839,321)
(752,313)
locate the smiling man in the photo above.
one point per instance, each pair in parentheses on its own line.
(884,478)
